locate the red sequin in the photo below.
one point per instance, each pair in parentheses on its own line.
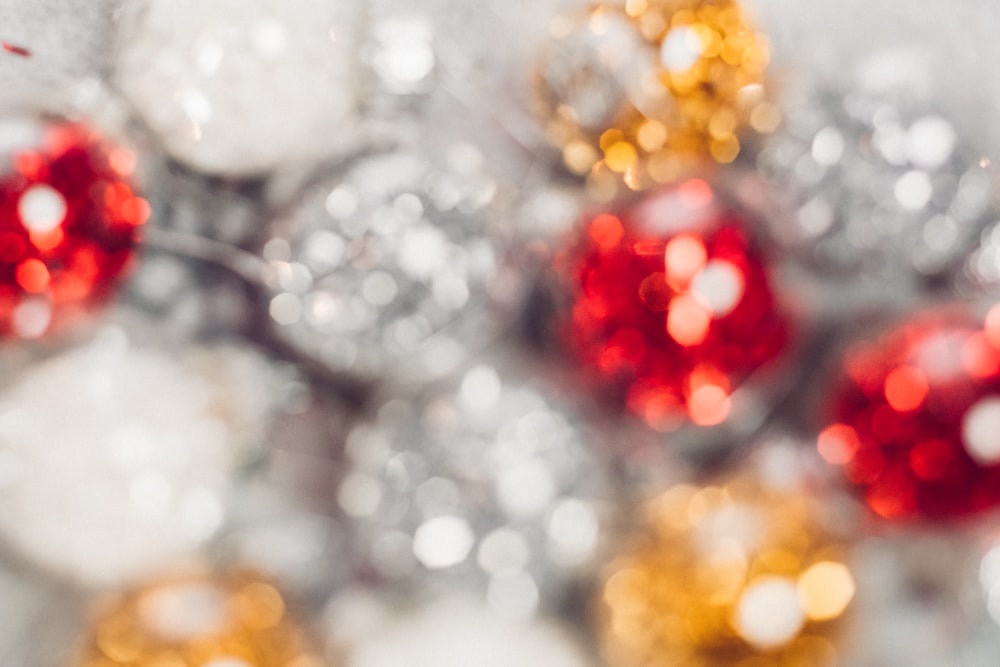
(69,222)
(672,306)
(916,419)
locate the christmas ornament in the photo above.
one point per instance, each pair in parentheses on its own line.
(245,87)
(876,181)
(385,270)
(69,221)
(446,632)
(199,620)
(741,573)
(643,95)
(122,456)
(913,418)
(671,305)
(487,485)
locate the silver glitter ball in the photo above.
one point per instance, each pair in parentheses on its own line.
(385,270)
(487,485)
(873,180)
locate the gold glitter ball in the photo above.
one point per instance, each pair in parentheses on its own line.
(645,93)
(736,576)
(236,620)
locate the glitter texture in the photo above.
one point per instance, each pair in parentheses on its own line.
(69,222)
(116,460)
(234,620)
(488,484)
(671,305)
(451,632)
(915,416)
(645,94)
(726,575)
(232,90)
(875,180)
(385,269)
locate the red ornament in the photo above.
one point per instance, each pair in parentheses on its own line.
(69,221)
(672,305)
(916,418)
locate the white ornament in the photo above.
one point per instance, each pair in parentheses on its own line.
(241,87)
(449,632)
(115,461)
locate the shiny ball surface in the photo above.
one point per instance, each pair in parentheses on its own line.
(913,420)
(384,270)
(739,574)
(640,94)
(878,181)
(671,305)
(123,456)
(486,485)
(69,221)
(199,620)
(241,88)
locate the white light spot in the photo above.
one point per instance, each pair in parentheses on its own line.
(573,532)
(379,288)
(32,318)
(180,613)
(930,142)
(815,217)
(503,550)
(195,105)
(41,208)
(480,389)
(270,38)
(914,190)
(526,489)
(681,49)
(342,202)
(442,542)
(769,613)
(359,495)
(719,287)
(981,431)
(828,147)
(209,57)
(422,252)
(285,309)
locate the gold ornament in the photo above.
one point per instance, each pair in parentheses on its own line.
(726,576)
(237,620)
(644,93)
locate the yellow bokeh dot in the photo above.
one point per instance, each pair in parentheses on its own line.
(620,156)
(825,590)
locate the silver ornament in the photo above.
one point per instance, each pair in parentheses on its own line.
(488,484)
(385,270)
(874,179)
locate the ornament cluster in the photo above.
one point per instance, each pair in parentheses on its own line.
(451,333)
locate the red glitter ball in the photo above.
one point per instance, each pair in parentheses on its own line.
(69,221)
(672,306)
(916,418)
